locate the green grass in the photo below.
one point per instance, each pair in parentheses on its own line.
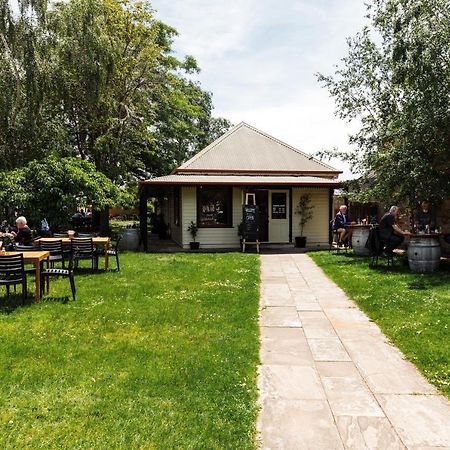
(162,355)
(413,310)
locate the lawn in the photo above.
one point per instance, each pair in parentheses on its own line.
(413,310)
(162,355)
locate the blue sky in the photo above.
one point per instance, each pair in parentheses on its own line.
(259,57)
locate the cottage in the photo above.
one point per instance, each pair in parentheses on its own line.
(210,190)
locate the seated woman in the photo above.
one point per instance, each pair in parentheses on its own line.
(24,235)
(339,224)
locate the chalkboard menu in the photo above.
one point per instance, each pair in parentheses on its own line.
(250,220)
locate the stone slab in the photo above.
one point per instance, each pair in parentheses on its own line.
(368,433)
(349,396)
(328,349)
(285,346)
(279,316)
(298,425)
(289,383)
(316,325)
(420,420)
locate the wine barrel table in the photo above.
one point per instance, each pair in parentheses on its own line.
(360,234)
(130,239)
(424,252)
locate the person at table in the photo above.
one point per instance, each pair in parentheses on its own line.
(424,217)
(23,236)
(340,221)
(390,232)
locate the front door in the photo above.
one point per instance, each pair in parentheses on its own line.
(279,216)
(262,200)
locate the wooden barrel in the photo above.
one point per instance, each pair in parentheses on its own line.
(130,239)
(424,254)
(359,239)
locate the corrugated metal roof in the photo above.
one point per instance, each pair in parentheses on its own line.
(243,180)
(248,150)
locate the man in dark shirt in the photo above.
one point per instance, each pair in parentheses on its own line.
(424,217)
(390,232)
(24,235)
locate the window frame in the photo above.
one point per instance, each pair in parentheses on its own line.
(228,198)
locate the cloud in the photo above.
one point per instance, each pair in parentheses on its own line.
(259,59)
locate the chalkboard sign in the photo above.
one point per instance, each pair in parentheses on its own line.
(250,220)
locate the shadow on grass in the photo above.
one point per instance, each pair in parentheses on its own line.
(65,299)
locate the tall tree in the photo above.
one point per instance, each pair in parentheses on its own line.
(396,81)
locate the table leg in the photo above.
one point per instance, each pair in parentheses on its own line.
(37,267)
(106,247)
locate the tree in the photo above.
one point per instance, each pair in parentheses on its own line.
(396,81)
(54,188)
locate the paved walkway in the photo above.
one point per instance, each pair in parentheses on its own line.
(328,377)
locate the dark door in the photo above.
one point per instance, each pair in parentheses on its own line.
(262,200)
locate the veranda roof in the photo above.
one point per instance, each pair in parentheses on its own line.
(242,180)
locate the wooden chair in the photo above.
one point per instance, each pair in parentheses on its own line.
(12,273)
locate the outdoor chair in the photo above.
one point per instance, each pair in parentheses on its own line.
(336,243)
(56,252)
(83,248)
(376,246)
(26,248)
(12,273)
(113,251)
(85,235)
(52,272)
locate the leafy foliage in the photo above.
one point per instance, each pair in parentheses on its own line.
(396,81)
(304,210)
(97,79)
(53,188)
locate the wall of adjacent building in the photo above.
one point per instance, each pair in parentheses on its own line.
(317,229)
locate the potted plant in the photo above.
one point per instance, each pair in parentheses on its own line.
(193,229)
(305,211)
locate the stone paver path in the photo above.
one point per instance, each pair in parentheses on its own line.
(328,377)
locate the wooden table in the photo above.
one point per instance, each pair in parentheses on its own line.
(424,252)
(103,241)
(360,234)
(35,258)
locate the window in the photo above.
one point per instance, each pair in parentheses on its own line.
(278,205)
(214,206)
(176,206)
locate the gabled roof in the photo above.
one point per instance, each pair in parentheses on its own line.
(245,149)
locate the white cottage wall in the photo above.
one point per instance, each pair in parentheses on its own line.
(209,237)
(317,229)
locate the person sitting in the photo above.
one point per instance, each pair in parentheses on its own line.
(24,235)
(339,224)
(424,218)
(390,232)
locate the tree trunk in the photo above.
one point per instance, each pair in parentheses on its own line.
(100,221)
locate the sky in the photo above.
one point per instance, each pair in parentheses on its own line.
(259,59)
